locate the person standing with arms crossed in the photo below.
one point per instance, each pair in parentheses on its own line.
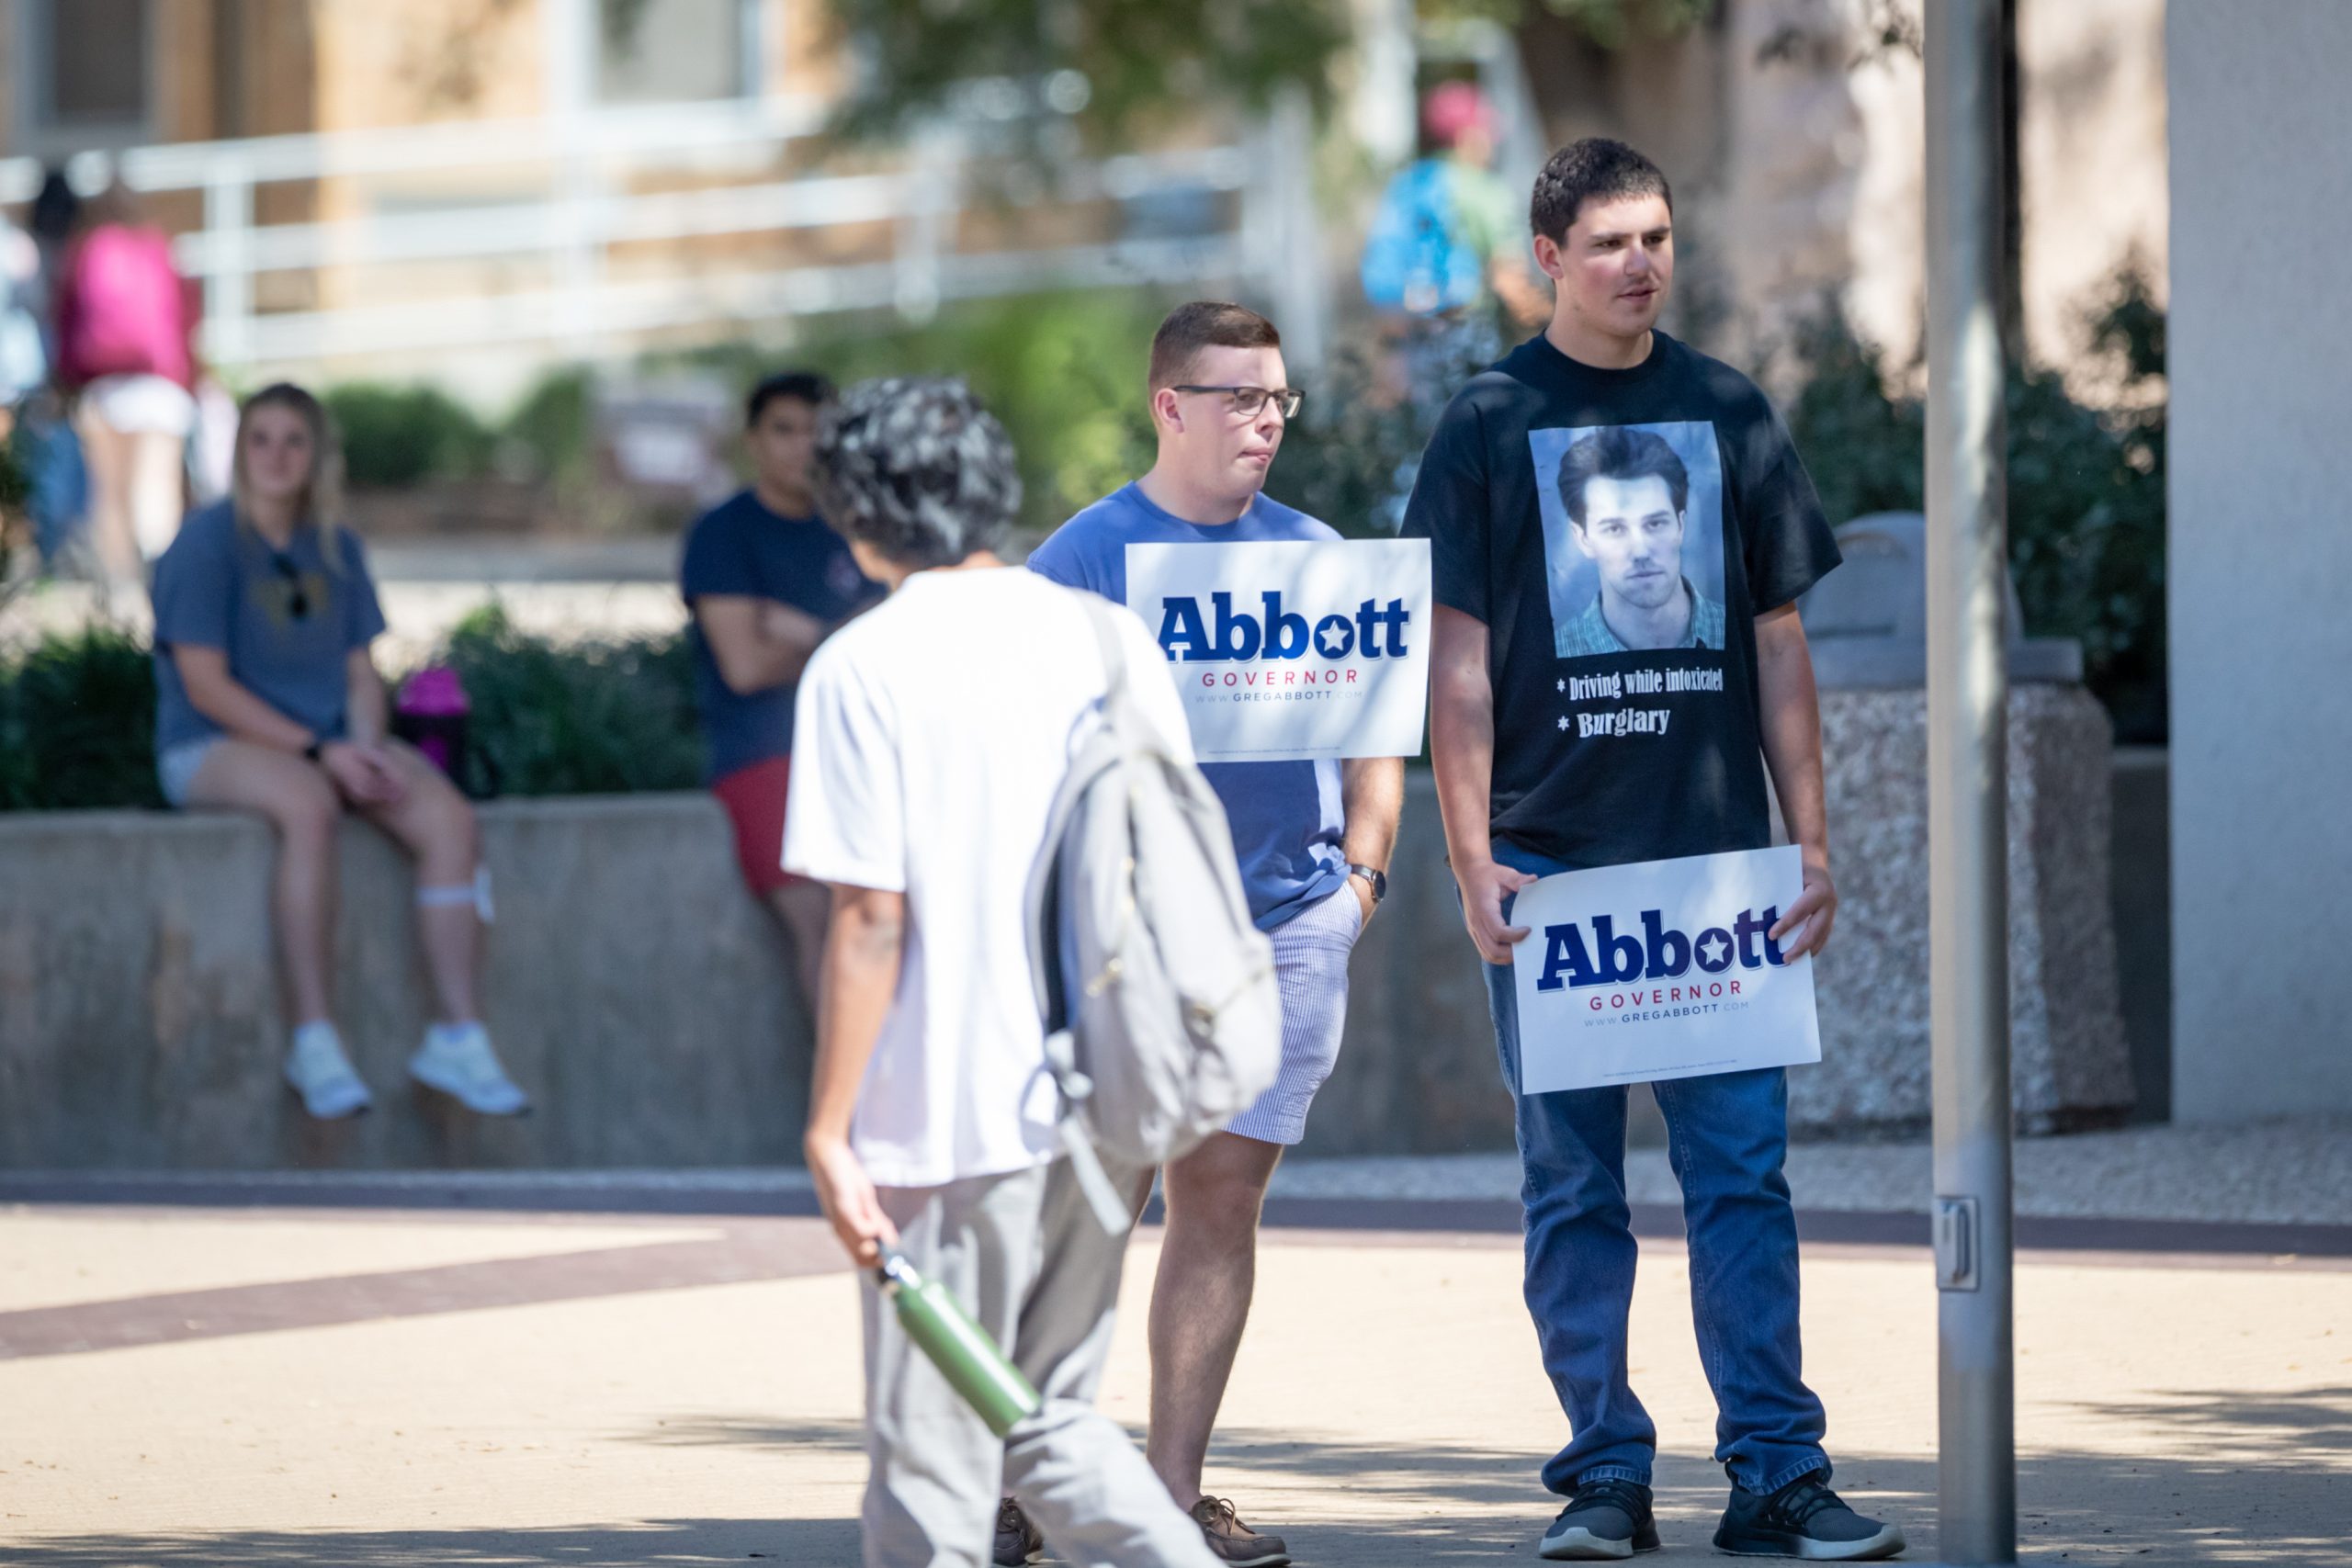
(1602,419)
(1313,839)
(766,579)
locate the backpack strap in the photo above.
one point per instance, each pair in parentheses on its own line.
(1111,1211)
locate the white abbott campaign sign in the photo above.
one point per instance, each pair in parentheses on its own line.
(1661,970)
(1286,650)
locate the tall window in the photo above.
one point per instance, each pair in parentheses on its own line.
(84,72)
(656,51)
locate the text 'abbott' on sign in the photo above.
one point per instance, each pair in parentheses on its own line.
(1290,651)
(1662,969)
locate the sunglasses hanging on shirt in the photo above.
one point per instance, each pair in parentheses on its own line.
(298,596)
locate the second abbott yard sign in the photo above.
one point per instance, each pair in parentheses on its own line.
(1284,651)
(1661,970)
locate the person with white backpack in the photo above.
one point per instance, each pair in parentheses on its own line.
(993,777)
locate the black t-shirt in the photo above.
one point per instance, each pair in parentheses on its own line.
(1618,531)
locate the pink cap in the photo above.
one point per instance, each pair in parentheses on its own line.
(1454,107)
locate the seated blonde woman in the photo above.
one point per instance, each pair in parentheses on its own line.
(266,702)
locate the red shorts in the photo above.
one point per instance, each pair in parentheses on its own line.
(753,797)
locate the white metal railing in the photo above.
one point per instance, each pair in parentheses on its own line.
(574,169)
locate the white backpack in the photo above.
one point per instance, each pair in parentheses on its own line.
(1162,1018)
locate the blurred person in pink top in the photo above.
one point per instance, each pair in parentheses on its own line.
(123,318)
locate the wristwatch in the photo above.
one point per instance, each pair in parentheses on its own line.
(1377,880)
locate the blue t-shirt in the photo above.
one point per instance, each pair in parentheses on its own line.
(740,547)
(286,619)
(1288,817)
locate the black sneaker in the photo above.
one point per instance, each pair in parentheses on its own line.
(1017,1541)
(1805,1519)
(1603,1519)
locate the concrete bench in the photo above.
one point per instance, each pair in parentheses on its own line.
(638,991)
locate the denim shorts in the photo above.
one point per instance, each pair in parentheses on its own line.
(176,767)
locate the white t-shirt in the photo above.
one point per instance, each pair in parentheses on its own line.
(930,737)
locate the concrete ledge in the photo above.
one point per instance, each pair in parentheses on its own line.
(2071,1066)
(1418,1072)
(639,992)
(631,983)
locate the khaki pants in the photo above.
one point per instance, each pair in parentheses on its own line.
(1027,1258)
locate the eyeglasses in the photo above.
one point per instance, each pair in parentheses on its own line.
(298,598)
(1247,402)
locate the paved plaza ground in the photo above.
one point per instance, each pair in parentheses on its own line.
(456,1370)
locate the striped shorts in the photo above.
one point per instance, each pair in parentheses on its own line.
(1311,952)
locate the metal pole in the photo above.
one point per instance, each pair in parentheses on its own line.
(1967,785)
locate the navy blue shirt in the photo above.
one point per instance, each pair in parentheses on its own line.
(740,547)
(1288,817)
(285,618)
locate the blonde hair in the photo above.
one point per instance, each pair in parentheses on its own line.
(321,504)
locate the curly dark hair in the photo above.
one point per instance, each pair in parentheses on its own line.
(917,468)
(1595,169)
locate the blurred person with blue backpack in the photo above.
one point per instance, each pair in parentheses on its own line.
(1445,237)
(1446,266)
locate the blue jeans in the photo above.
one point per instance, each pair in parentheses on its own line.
(1726,1137)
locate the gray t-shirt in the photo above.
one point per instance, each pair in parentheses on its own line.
(286,619)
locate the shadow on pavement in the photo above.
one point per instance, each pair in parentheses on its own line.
(667,1542)
(2241,1425)
(2269,1486)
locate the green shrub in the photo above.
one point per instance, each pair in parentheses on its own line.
(1063,372)
(579,719)
(77,724)
(77,715)
(2086,489)
(1350,455)
(551,428)
(394,436)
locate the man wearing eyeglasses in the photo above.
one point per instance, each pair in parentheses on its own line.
(1313,839)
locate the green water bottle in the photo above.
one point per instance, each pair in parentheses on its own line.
(959,1348)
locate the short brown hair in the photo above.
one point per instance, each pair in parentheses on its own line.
(1595,169)
(1205,324)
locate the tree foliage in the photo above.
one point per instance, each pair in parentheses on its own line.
(2086,486)
(1105,66)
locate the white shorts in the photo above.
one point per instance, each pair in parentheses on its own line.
(1311,952)
(146,405)
(177,765)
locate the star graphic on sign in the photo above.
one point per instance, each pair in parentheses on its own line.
(1560,685)
(1327,638)
(1721,946)
(1564,721)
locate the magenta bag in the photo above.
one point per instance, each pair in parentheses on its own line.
(432,713)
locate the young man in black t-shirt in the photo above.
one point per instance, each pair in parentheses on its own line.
(1607,504)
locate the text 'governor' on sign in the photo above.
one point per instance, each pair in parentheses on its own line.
(1289,650)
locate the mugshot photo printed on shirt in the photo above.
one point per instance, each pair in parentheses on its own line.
(1633,536)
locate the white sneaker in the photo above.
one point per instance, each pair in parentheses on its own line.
(456,1058)
(322,1075)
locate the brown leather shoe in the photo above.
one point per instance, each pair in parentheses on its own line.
(1234,1542)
